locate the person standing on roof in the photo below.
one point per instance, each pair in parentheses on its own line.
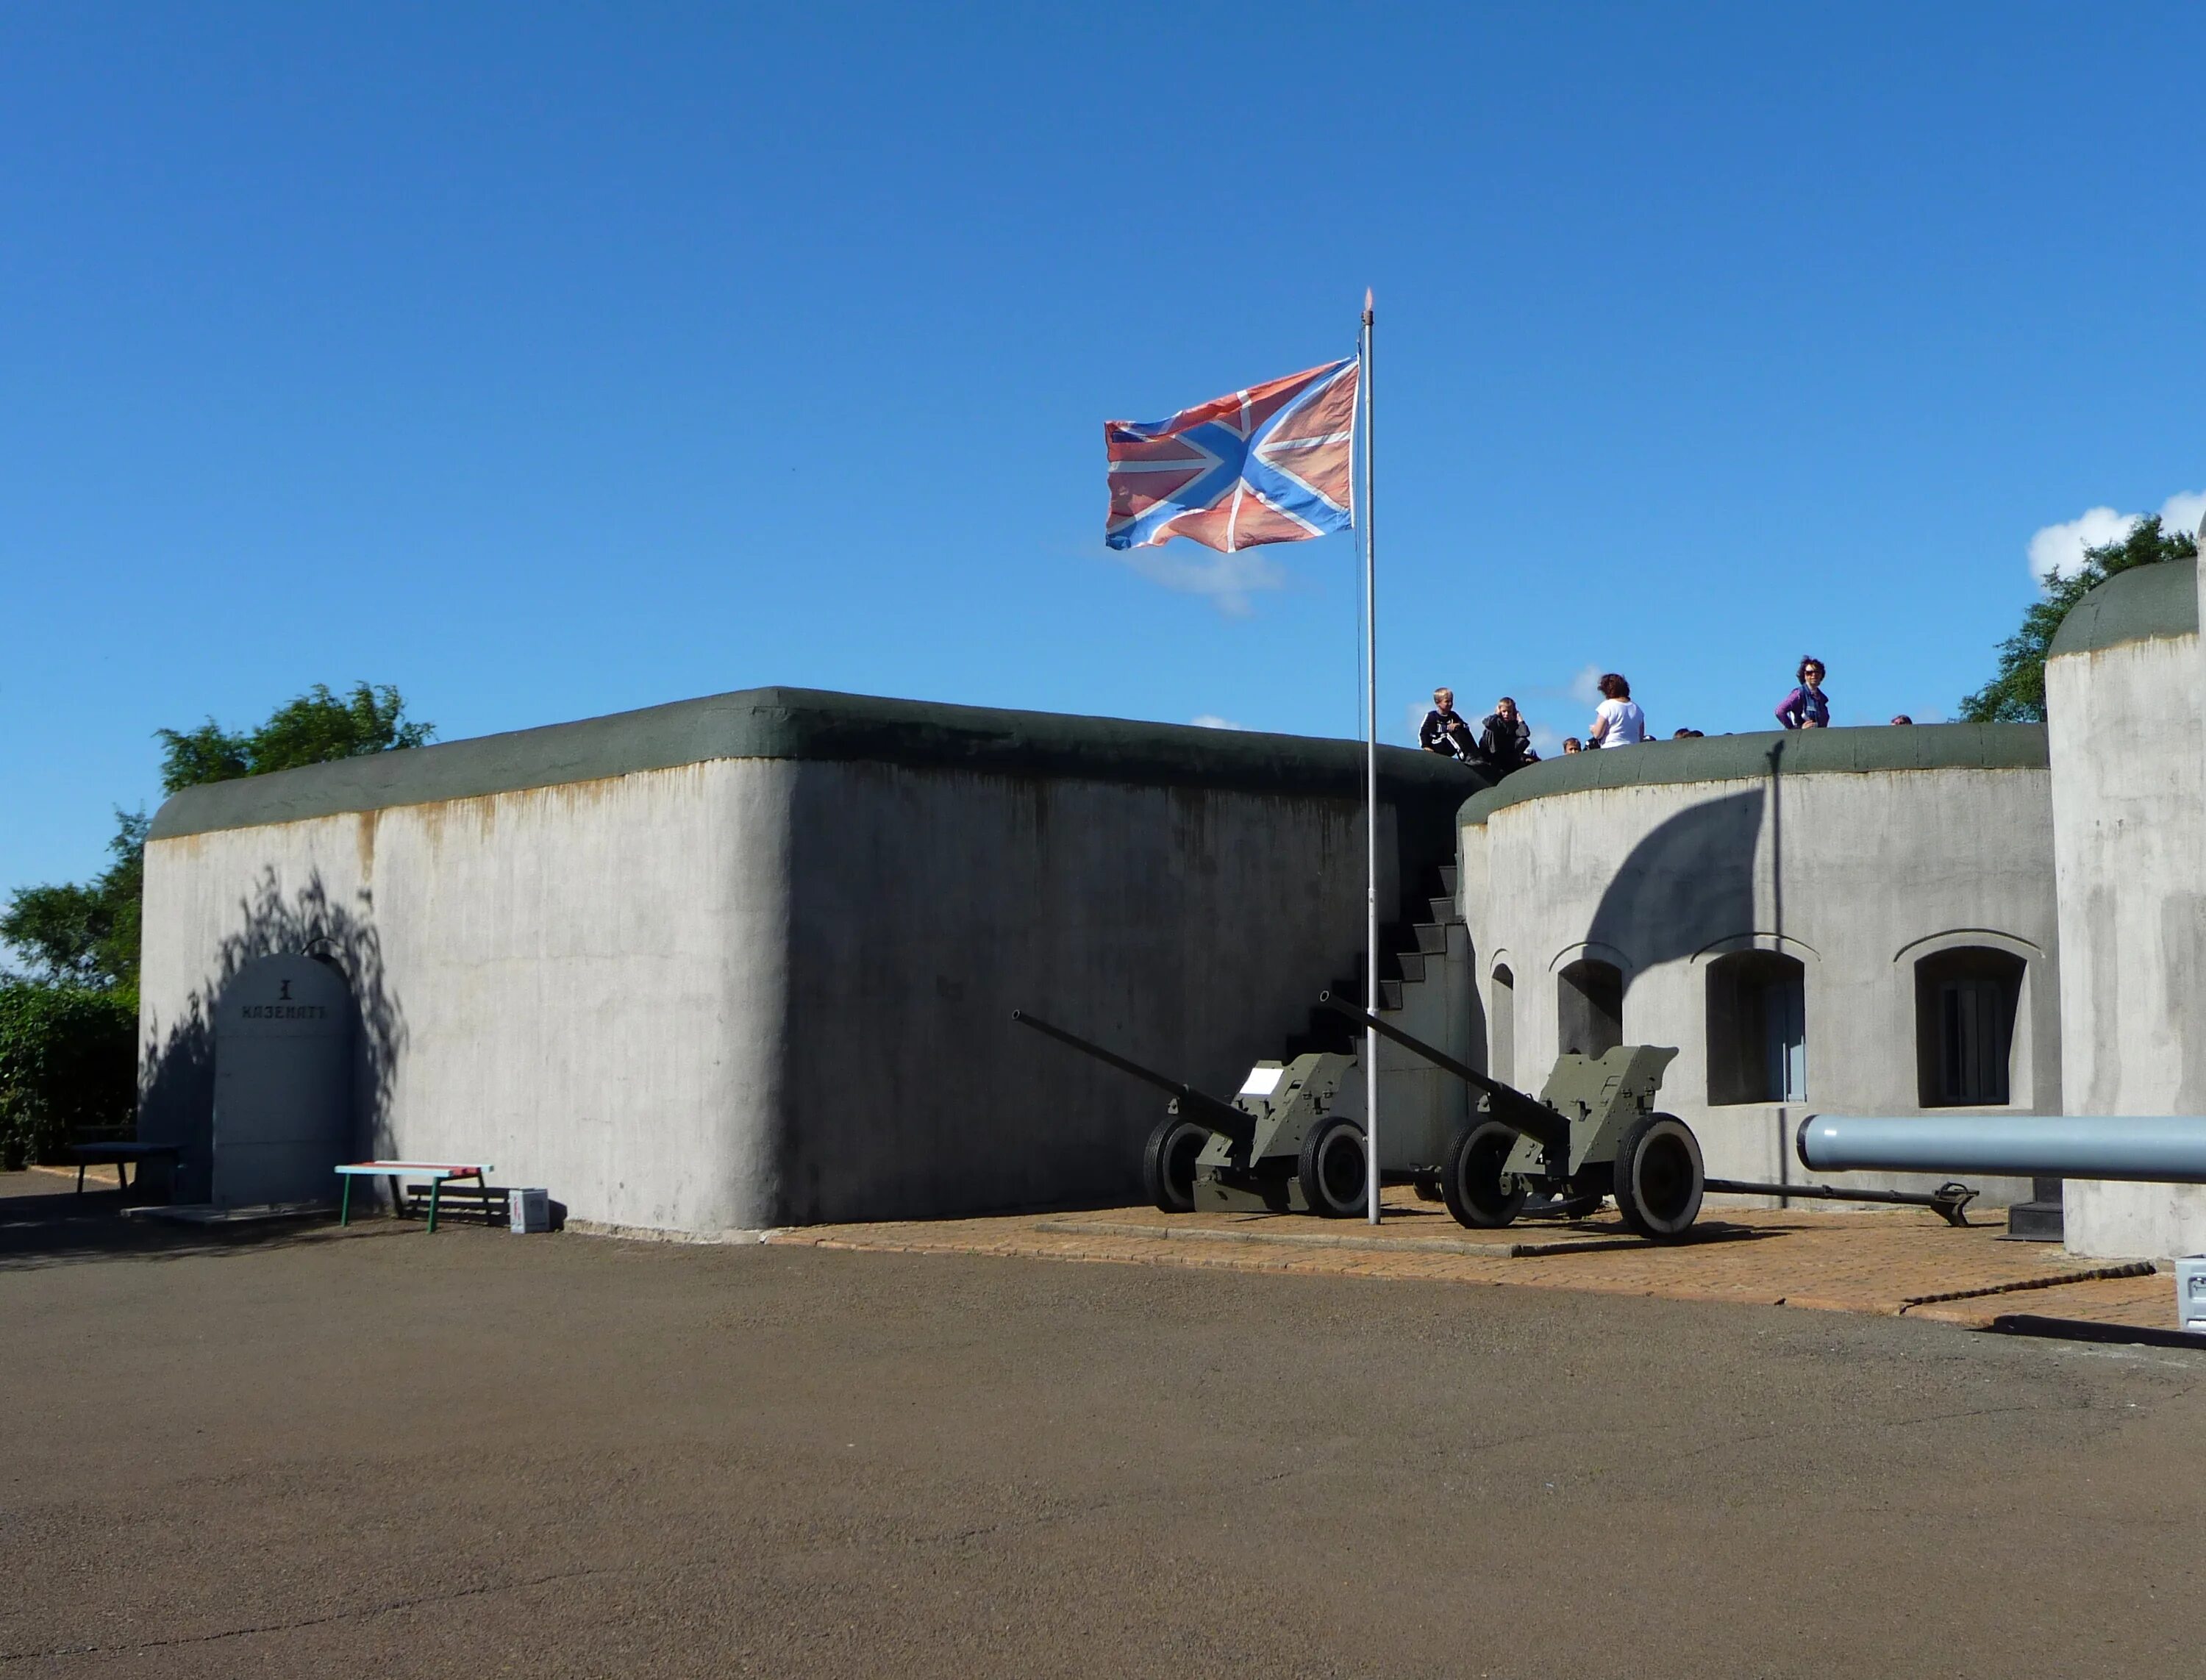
(1618,722)
(1805,708)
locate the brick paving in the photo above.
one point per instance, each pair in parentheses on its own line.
(1897,1262)
(1885,1262)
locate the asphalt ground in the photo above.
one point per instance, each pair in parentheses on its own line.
(379,1451)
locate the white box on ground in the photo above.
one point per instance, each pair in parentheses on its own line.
(530,1211)
(2190,1292)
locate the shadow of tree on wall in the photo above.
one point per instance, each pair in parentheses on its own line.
(1688,882)
(175,1074)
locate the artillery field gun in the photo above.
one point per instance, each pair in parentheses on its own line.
(1291,1140)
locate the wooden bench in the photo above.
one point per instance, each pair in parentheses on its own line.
(121,1157)
(439,1173)
(484,1204)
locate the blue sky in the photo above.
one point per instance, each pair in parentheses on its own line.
(550,360)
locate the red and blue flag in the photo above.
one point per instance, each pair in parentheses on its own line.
(1271,464)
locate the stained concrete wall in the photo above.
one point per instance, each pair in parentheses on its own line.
(2126,712)
(582,984)
(1856,852)
(770,980)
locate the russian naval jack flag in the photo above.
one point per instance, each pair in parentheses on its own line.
(1271,464)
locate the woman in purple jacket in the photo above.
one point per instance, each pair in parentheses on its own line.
(1805,708)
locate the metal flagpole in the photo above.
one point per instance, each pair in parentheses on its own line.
(1370,784)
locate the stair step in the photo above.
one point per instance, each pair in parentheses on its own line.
(1390,997)
(1407,947)
(1390,968)
(1327,1032)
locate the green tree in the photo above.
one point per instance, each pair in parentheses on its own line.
(313,728)
(69,1031)
(86,935)
(69,1065)
(2016,695)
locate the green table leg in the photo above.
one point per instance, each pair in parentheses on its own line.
(344,1202)
(435,1185)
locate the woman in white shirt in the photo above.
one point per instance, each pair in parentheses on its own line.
(1618,722)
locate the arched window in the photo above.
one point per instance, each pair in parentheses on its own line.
(1589,1007)
(1965,1009)
(1501,1027)
(1757,1028)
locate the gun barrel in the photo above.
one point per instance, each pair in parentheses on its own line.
(2151,1149)
(1511,1107)
(1206,1110)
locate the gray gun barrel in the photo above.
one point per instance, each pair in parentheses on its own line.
(1209,1112)
(1511,1107)
(2147,1149)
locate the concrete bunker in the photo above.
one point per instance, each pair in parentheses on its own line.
(749,960)
(1773,940)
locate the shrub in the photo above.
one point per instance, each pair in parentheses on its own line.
(69,1065)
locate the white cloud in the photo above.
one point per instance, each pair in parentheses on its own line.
(1228,580)
(2186,510)
(2057,548)
(1210,720)
(1585,687)
(1546,741)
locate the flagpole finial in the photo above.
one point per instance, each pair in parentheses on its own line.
(1367,303)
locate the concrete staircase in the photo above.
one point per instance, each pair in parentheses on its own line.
(1413,950)
(1424,981)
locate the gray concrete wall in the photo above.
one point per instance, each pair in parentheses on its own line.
(582,984)
(1857,856)
(775,986)
(2123,701)
(1190,930)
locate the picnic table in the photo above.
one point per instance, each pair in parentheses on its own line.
(121,1156)
(439,1173)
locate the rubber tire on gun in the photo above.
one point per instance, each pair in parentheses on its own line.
(1331,1170)
(1168,1163)
(1658,1178)
(1477,1192)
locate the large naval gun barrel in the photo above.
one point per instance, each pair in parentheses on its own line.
(1506,1103)
(2147,1149)
(1212,1113)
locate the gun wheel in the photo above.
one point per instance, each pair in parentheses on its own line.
(1658,1178)
(1332,1168)
(1481,1195)
(1168,1163)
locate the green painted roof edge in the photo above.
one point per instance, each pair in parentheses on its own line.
(2160,599)
(1739,758)
(812,724)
